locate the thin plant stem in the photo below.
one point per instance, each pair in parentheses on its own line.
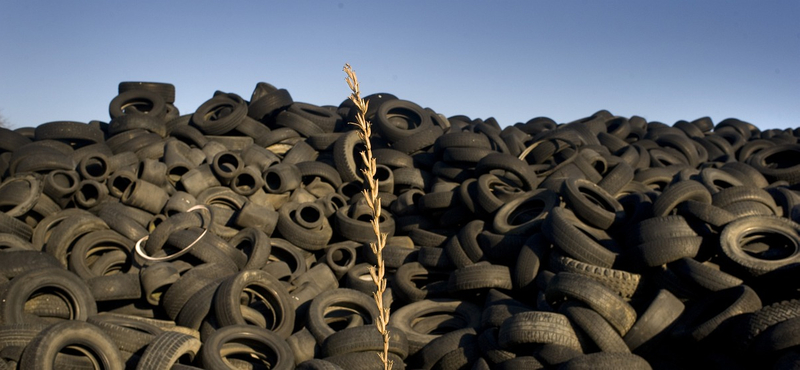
(374,203)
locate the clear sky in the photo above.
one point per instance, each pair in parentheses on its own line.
(512,60)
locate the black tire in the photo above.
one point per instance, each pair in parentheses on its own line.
(220,114)
(595,327)
(616,179)
(248,345)
(138,102)
(479,277)
(592,203)
(467,314)
(87,339)
(772,230)
(323,311)
(769,316)
(396,119)
(778,163)
(353,223)
(707,313)
(566,231)
(660,314)
(190,283)
(364,338)
(606,361)
(165,90)
(69,286)
(776,338)
(282,178)
(435,351)
(677,193)
(76,134)
(304,225)
(130,335)
(509,163)
(622,282)
(526,213)
(346,157)
(115,287)
(660,252)
(364,361)
(272,302)
(537,327)
(414,282)
(14,226)
(167,348)
(595,295)
(739,194)
(268,103)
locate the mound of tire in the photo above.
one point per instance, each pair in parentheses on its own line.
(237,237)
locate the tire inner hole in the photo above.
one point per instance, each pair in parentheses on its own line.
(768,245)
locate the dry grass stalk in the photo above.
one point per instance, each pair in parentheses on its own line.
(374,203)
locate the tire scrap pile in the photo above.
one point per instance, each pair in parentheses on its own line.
(237,237)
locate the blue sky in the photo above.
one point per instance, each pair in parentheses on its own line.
(665,61)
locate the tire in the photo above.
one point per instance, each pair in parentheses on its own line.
(564,229)
(211,119)
(506,162)
(707,313)
(129,335)
(526,213)
(434,353)
(616,179)
(138,121)
(248,345)
(606,361)
(479,277)
(76,134)
(414,282)
(166,349)
(352,223)
(345,157)
(777,163)
(343,300)
(15,227)
(741,194)
(396,119)
(138,102)
(282,178)
(677,193)
(662,251)
(190,283)
(165,90)
(660,314)
(115,287)
(43,350)
(304,225)
(272,297)
(467,314)
(769,316)
(595,328)
(537,327)
(20,194)
(622,282)
(595,295)
(364,361)
(364,338)
(24,286)
(592,203)
(737,235)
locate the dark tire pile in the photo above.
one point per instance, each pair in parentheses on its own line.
(237,237)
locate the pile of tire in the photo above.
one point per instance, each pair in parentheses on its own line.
(237,236)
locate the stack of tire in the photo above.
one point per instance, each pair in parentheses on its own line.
(604,243)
